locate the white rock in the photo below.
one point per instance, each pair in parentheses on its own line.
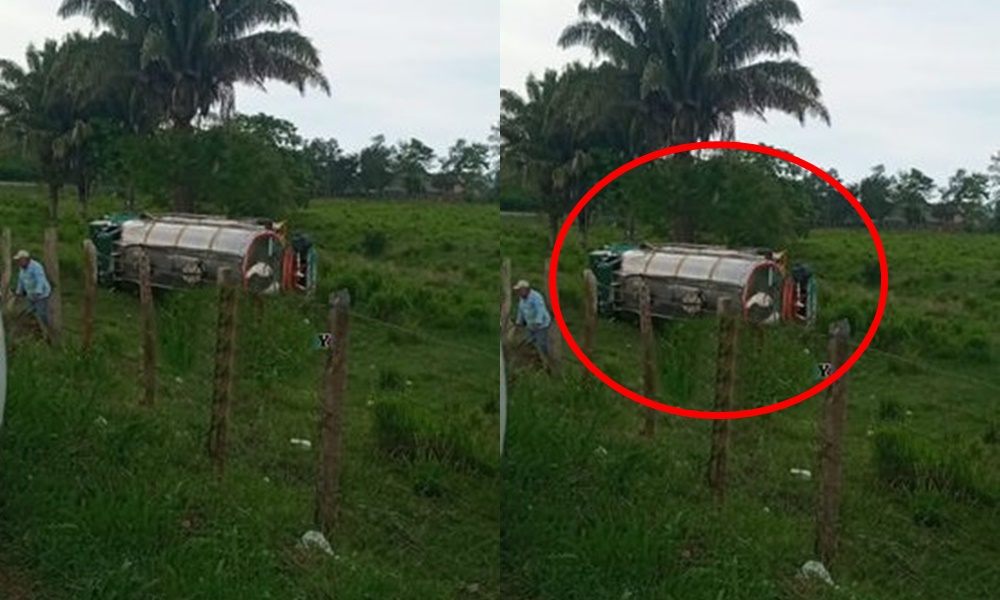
(816,570)
(300,443)
(315,539)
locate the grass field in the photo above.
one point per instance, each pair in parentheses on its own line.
(593,510)
(100,499)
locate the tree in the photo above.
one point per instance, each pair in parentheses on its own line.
(189,54)
(542,142)
(967,194)
(413,160)
(334,172)
(375,164)
(466,166)
(39,106)
(687,67)
(912,192)
(875,193)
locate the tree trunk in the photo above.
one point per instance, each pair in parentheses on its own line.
(183,200)
(130,198)
(684,229)
(553,228)
(54,202)
(82,195)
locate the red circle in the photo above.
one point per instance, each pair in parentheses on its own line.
(702,414)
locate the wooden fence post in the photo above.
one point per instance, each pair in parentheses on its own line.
(148,329)
(89,294)
(332,414)
(555,338)
(590,318)
(648,357)
(225,353)
(833,418)
(505,300)
(725,390)
(52,271)
(5,271)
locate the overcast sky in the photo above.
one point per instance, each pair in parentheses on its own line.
(401,68)
(908,83)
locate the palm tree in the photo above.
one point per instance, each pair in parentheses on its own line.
(40,106)
(694,64)
(550,137)
(188,55)
(688,67)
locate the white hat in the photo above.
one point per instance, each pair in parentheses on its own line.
(523,284)
(21,254)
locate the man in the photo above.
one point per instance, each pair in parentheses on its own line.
(33,285)
(531,313)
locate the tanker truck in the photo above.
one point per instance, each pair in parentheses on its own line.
(189,250)
(687,280)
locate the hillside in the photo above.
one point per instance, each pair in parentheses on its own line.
(102,499)
(594,510)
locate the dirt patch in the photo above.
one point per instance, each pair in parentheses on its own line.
(15,584)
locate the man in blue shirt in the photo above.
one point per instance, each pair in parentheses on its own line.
(33,285)
(532,313)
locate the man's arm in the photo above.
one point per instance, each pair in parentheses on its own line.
(19,290)
(520,320)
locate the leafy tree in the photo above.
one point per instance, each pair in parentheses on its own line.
(334,172)
(236,171)
(912,192)
(466,166)
(413,160)
(875,193)
(375,166)
(967,193)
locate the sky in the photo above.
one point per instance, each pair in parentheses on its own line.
(908,83)
(400,68)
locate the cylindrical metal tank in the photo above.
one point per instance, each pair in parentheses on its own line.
(189,251)
(686,281)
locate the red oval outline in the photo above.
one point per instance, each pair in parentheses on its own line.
(703,414)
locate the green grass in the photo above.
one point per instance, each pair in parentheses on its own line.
(593,510)
(100,499)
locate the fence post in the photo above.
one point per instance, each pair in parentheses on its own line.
(52,271)
(725,390)
(648,357)
(833,417)
(225,353)
(555,338)
(5,271)
(590,318)
(89,293)
(505,300)
(331,414)
(148,329)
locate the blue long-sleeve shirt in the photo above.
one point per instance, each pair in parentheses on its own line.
(32,282)
(531,311)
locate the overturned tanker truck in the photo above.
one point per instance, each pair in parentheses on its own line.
(687,280)
(189,250)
